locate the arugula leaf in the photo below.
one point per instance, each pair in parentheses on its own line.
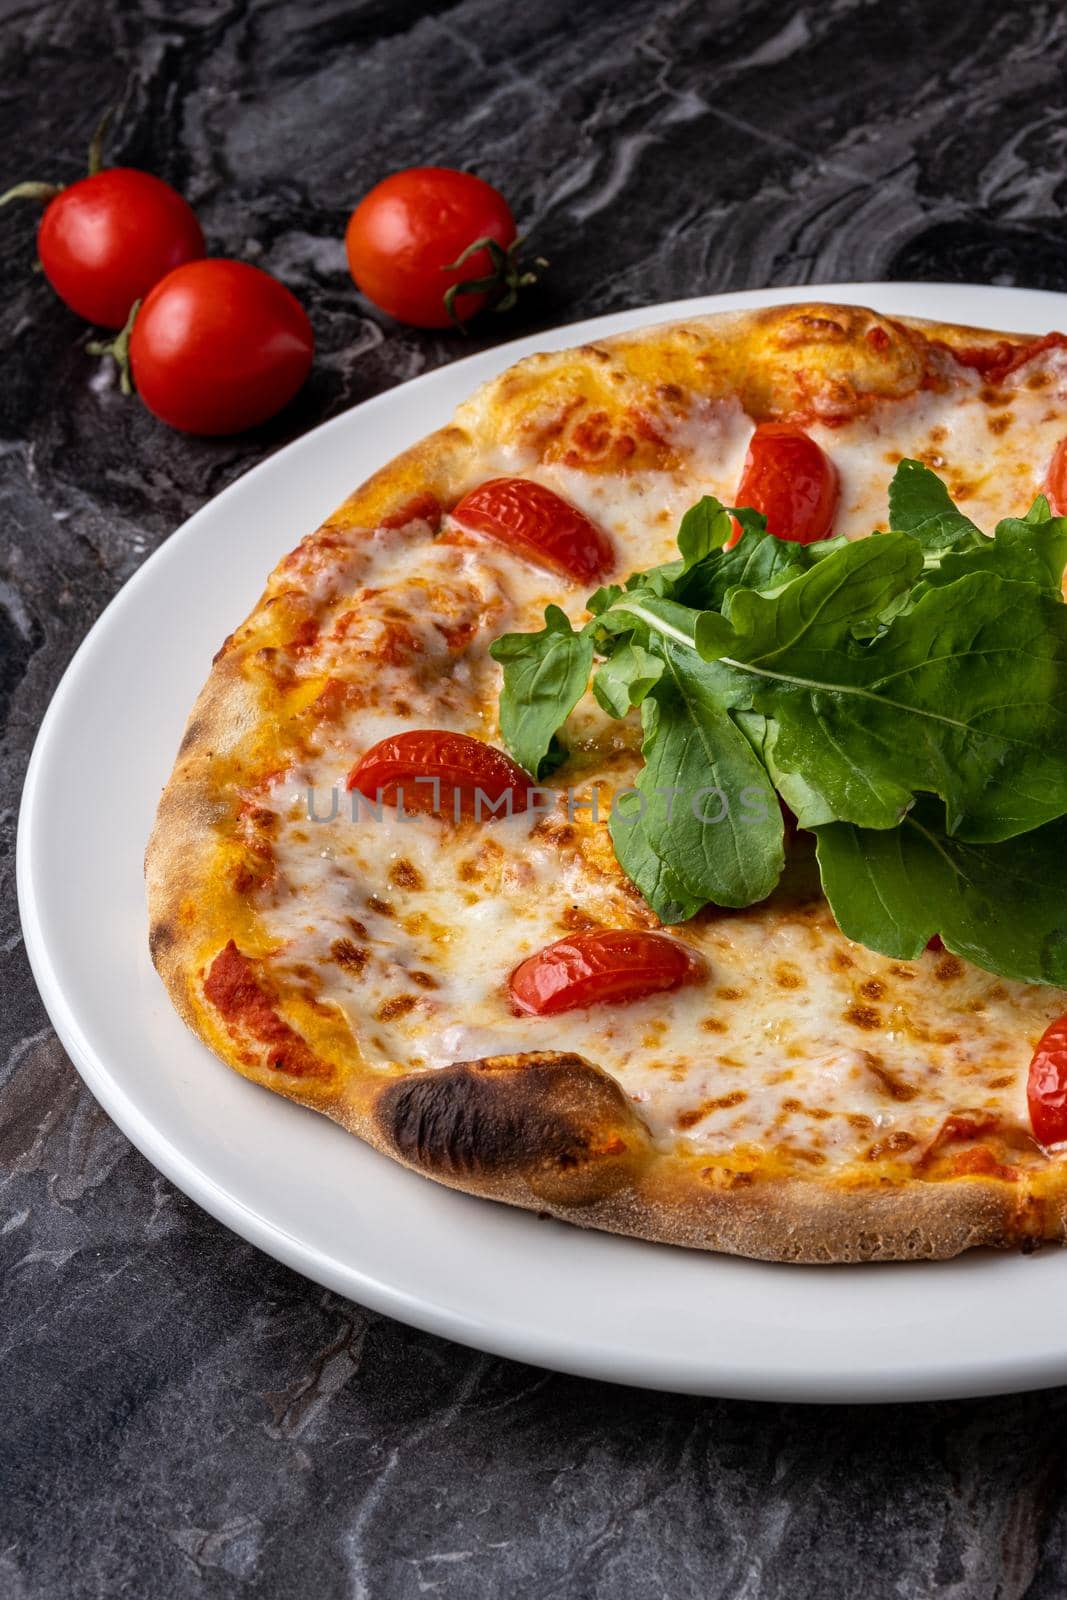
(710,812)
(757,561)
(704,528)
(808,807)
(905,694)
(815,612)
(545,675)
(603,598)
(648,610)
(964,695)
(920,504)
(1026,549)
(1001,906)
(626,678)
(670,901)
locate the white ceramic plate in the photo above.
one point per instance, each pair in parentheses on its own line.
(315,1198)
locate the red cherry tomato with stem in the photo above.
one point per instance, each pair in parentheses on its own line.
(427,769)
(540,525)
(1046,1086)
(791,480)
(608,964)
(217,346)
(104,241)
(411,241)
(107,240)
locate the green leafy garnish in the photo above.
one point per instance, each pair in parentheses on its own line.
(905,695)
(710,813)
(545,675)
(1000,905)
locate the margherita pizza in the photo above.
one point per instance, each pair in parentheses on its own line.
(644,800)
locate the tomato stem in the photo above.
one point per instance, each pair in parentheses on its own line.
(504,281)
(43,192)
(118,349)
(32,191)
(96,143)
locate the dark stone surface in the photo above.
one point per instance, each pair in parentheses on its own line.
(181,1416)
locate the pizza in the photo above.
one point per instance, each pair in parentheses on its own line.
(388,878)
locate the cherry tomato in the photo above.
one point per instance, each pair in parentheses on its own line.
(106,240)
(610,964)
(1056,483)
(446,773)
(1046,1087)
(218,346)
(792,481)
(413,225)
(538,524)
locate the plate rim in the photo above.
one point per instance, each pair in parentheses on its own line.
(997,1374)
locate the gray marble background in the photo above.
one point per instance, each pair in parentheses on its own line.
(179,1416)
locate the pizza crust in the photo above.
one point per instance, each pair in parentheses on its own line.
(550,1131)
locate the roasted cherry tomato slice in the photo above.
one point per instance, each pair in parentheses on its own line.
(1046,1087)
(1056,483)
(450,774)
(611,964)
(109,238)
(538,524)
(792,481)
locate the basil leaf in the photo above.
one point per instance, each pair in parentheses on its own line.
(1001,906)
(711,814)
(920,504)
(545,675)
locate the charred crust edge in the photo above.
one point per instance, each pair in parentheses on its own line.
(560,1122)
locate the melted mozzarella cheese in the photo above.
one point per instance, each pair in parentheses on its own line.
(798,1042)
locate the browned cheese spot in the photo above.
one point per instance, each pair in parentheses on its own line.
(404,875)
(894,1144)
(399,1006)
(348,955)
(896,1088)
(866,1017)
(723,1102)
